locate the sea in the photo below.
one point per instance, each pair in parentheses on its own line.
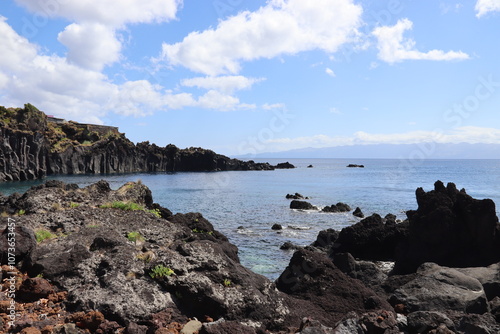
(244,205)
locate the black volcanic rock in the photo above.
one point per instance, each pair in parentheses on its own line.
(296,196)
(313,277)
(277,227)
(302,205)
(32,147)
(358,213)
(284,165)
(452,229)
(339,207)
(93,259)
(371,239)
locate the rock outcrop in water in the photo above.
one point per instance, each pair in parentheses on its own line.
(33,146)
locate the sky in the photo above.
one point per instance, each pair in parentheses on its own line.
(244,77)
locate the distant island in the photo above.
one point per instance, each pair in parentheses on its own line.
(35,145)
(418,151)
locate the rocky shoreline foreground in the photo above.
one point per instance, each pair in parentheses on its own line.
(96,260)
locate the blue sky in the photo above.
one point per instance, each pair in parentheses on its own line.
(243,77)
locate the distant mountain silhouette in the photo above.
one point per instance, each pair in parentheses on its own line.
(392,151)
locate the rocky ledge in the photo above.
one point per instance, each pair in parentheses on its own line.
(33,146)
(95,260)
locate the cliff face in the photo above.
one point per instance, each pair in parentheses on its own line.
(32,148)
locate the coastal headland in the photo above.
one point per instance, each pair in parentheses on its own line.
(34,145)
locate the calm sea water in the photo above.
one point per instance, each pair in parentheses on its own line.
(244,205)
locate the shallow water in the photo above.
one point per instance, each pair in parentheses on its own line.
(255,200)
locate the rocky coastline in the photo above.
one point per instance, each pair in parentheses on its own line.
(33,146)
(96,260)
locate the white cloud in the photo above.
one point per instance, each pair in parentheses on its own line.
(466,134)
(107,12)
(225,84)
(485,6)
(267,106)
(62,88)
(90,45)
(394,48)
(281,27)
(335,111)
(330,72)
(220,101)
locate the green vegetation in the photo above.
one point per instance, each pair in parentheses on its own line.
(21,212)
(160,271)
(42,235)
(227,283)
(156,212)
(127,206)
(135,236)
(195,230)
(130,206)
(73,205)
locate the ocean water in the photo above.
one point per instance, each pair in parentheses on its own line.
(244,205)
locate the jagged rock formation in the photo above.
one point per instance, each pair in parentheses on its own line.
(31,147)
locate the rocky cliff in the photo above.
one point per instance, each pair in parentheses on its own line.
(31,147)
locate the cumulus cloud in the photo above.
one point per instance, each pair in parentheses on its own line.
(394,48)
(485,6)
(466,134)
(330,72)
(62,88)
(281,27)
(107,12)
(225,84)
(90,45)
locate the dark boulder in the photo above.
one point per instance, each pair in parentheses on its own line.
(277,227)
(17,240)
(452,229)
(358,213)
(310,166)
(302,205)
(489,277)
(365,271)
(32,289)
(289,246)
(371,239)
(326,239)
(355,166)
(339,207)
(425,321)
(437,288)
(313,277)
(226,327)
